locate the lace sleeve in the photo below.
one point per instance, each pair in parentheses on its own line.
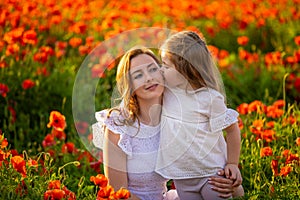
(230,118)
(104,122)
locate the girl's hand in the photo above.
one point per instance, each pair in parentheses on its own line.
(232,172)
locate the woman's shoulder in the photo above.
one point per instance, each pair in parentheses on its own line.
(115,120)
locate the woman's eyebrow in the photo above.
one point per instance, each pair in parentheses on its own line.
(139,69)
(150,65)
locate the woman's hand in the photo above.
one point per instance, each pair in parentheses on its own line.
(222,185)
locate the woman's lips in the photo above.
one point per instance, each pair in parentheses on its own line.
(151,87)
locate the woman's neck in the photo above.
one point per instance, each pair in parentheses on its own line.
(150,110)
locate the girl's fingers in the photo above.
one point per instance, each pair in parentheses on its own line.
(227,173)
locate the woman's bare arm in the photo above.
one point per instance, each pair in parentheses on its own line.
(114,161)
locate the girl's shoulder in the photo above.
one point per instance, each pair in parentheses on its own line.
(208,93)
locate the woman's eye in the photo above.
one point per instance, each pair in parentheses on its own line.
(137,76)
(153,69)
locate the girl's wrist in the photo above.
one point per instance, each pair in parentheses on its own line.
(232,163)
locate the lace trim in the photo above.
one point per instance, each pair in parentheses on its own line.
(127,133)
(224,120)
(110,123)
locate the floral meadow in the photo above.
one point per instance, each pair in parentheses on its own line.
(255,43)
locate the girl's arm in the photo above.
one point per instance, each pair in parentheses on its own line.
(233,139)
(114,161)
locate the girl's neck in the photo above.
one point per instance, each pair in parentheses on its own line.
(150,110)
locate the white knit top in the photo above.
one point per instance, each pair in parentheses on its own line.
(192,143)
(141,149)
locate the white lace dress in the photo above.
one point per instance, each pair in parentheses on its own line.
(192,143)
(141,149)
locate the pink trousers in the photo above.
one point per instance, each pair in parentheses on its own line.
(196,189)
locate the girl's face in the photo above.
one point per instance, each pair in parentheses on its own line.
(172,77)
(146,77)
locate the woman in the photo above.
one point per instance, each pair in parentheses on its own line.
(129,134)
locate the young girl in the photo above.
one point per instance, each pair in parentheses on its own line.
(192,146)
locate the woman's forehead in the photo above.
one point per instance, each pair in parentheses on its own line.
(141,67)
(141,59)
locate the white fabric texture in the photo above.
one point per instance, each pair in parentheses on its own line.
(192,143)
(141,149)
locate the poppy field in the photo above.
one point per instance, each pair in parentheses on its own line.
(46,154)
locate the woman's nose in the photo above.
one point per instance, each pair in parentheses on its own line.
(148,77)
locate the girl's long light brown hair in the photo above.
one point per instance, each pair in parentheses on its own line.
(191,57)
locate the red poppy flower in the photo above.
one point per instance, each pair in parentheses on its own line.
(75,42)
(285,170)
(68,147)
(3,64)
(266,151)
(27,84)
(256,106)
(56,194)
(32,163)
(243,108)
(3,89)
(18,164)
(4,142)
(43,54)
(14,35)
(57,121)
(297,84)
(297,40)
(257,126)
(42,71)
(122,194)
(105,193)
(12,49)
(29,37)
(291,157)
(3,155)
(61,135)
(49,140)
(243,40)
(274,167)
(99,180)
(274,112)
(55,184)
(298,141)
(69,195)
(268,135)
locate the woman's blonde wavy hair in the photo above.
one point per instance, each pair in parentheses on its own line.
(129,107)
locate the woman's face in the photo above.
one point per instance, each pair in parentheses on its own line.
(146,77)
(172,77)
